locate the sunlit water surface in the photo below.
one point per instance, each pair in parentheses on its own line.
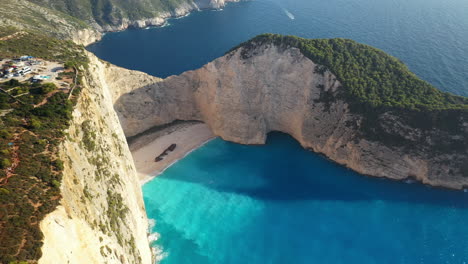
(227,203)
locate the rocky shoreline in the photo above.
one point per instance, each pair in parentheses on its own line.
(88,36)
(242,99)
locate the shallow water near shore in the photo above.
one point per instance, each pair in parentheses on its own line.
(227,203)
(278,203)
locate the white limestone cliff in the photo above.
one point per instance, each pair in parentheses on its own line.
(101,217)
(276,89)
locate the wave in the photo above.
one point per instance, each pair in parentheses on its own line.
(151,224)
(157,250)
(153,237)
(289,14)
(182,16)
(158,253)
(165,24)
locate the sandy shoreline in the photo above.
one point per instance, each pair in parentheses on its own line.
(144,149)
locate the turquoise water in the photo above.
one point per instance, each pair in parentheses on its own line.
(278,203)
(226,203)
(430,36)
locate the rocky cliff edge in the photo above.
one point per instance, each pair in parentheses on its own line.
(243,98)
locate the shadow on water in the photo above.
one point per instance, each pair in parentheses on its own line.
(283,171)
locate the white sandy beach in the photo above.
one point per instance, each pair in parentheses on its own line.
(145,148)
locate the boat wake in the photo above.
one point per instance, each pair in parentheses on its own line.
(289,14)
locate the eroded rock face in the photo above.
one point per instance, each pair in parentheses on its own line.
(85,36)
(101,217)
(243,97)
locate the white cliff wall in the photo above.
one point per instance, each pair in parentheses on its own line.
(101,218)
(275,89)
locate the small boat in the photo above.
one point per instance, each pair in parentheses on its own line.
(172,147)
(165,152)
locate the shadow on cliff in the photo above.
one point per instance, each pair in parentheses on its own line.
(283,171)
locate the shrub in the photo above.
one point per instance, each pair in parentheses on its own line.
(12,83)
(5,134)
(35,123)
(69,64)
(58,164)
(5,163)
(47,88)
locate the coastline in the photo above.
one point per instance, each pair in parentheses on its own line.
(144,148)
(91,35)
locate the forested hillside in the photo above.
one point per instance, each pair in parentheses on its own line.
(111,12)
(370,76)
(63,18)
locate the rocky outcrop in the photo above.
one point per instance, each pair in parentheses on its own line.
(242,98)
(119,81)
(101,217)
(85,36)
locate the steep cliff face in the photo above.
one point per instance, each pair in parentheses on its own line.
(242,97)
(25,15)
(101,217)
(84,36)
(248,93)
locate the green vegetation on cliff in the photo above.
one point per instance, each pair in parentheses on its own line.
(369,76)
(18,43)
(111,12)
(30,133)
(26,15)
(61,17)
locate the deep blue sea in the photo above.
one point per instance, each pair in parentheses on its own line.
(430,36)
(279,204)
